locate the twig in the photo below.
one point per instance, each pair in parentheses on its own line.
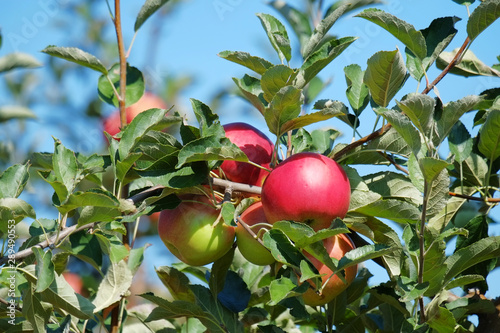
(468,197)
(250,231)
(372,136)
(393,162)
(445,71)
(237,186)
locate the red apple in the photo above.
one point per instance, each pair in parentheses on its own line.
(147,101)
(193,231)
(258,148)
(75,281)
(336,246)
(309,188)
(249,247)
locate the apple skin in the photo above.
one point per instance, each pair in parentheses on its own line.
(336,246)
(258,148)
(309,188)
(148,101)
(189,232)
(249,247)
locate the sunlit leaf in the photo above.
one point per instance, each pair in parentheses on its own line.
(482,17)
(148,9)
(405,32)
(76,55)
(276,32)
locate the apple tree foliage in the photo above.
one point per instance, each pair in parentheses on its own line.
(422,192)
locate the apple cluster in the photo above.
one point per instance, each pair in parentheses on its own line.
(309,188)
(306,187)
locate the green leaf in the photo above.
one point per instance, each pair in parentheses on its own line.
(489,139)
(357,92)
(17,60)
(285,106)
(252,91)
(484,249)
(431,167)
(281,288)
(482,17)
(336,109)
(176,283)
(62,296)
(276,78)
(420,109)
(385,75)
(281,248)
(451,113)
(210,148)
(438,191)
(393,185)
(14,180)
(138,127)
(442,320)
(303,235)
(320,58)
(65,166)
(361,195)
(148,9)
(77,56)
(35,311)
(114,285)
(218,273)
(297,20)
(437,36)
(404,127)
(460,142)
(134,85)
(178,309)
(258,65)
(44,269)
(403,31)
(9,112)
(354,4)
(464,2)
(469,65)
(396,210)
(323,140)
(93,197)
(276,32)
(14,209)
(361,254)
(322,29)
(464,280)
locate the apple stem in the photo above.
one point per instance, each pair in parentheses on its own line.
(250,231)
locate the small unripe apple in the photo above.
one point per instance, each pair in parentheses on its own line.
(258,148)
(336,246)
(309,188)
(250,247)
(147,101)
(194,231)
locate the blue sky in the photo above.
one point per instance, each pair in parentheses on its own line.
(189,43)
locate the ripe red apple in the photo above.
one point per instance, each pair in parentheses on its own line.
(147,101)
(258,148)
(336,246)
(193,231)
(309,188)
(75,281)
(249,247)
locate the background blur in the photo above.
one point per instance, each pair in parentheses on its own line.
(176,49)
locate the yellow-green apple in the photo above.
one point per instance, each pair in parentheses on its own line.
(332,285)
(309,188)
(258,148)
(250,247)
(148,101)
(194,231)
